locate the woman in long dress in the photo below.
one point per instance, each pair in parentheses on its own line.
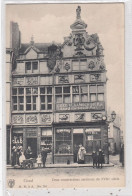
(81,154)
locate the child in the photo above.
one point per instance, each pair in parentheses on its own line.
(39,160)
(21,158)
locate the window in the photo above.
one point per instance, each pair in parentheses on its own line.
(93,140)
(63,143)
(80,93)
(62,94)
(18,99)
(78,65)
(46,98)
(31,67)
(96,93)
(31,98)
(46,138)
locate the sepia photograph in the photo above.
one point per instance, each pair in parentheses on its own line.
(65,101)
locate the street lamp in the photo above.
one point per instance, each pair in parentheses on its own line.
(108,120)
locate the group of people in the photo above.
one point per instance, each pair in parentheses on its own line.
(18,156)
(98,158)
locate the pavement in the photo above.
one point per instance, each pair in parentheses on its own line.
(113,161)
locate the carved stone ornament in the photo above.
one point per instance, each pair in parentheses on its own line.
(17,119)
(97,116)
(46,118)
(67,66)
(80,117)
(91,65)
(31,80)
(63,79)
(31,119)
(79,78)
(64,117)
(78,12)
(78,41)
(54,53)
(95,77)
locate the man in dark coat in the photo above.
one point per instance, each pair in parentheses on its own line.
(44,156)
(28,153)
(94,156)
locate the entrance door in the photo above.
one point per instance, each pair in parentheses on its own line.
(77,140)
(32,142)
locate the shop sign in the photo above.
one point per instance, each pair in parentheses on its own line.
(81,106)
(31,80)
(45,118)
(63,79)
(17,119)
(17,140)
(31,133)
(64,117)
(18,81)
(80,117)
(79,78)
(31,119)
(92,131)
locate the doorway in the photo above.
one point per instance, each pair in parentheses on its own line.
(32,142)
(77,140)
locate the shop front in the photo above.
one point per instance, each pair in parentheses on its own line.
(68,138)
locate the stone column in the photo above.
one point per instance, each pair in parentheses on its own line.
(38,139)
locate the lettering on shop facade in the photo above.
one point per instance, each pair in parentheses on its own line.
(81,106)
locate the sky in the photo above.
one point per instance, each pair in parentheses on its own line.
(51,22)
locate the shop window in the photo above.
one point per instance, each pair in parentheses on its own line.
(63,143)
(93,140)
(46,138)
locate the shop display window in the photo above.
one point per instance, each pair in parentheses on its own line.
(46,138)
(63,143)
(93,140)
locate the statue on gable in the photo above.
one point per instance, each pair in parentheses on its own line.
(79,41)
(78,12)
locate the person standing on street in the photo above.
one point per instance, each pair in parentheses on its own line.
(44,156)
(94,156)
(81,154)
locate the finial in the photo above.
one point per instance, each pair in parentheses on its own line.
(32,40)
(78,12)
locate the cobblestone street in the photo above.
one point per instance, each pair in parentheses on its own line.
(106,174)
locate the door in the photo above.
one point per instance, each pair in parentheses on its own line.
(32,142)
(77,140)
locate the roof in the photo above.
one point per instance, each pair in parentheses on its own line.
(42,47)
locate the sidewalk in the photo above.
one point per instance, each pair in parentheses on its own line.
(73,165)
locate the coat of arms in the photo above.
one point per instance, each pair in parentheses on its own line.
(11,183)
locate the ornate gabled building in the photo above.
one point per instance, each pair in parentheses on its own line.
(59,96)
